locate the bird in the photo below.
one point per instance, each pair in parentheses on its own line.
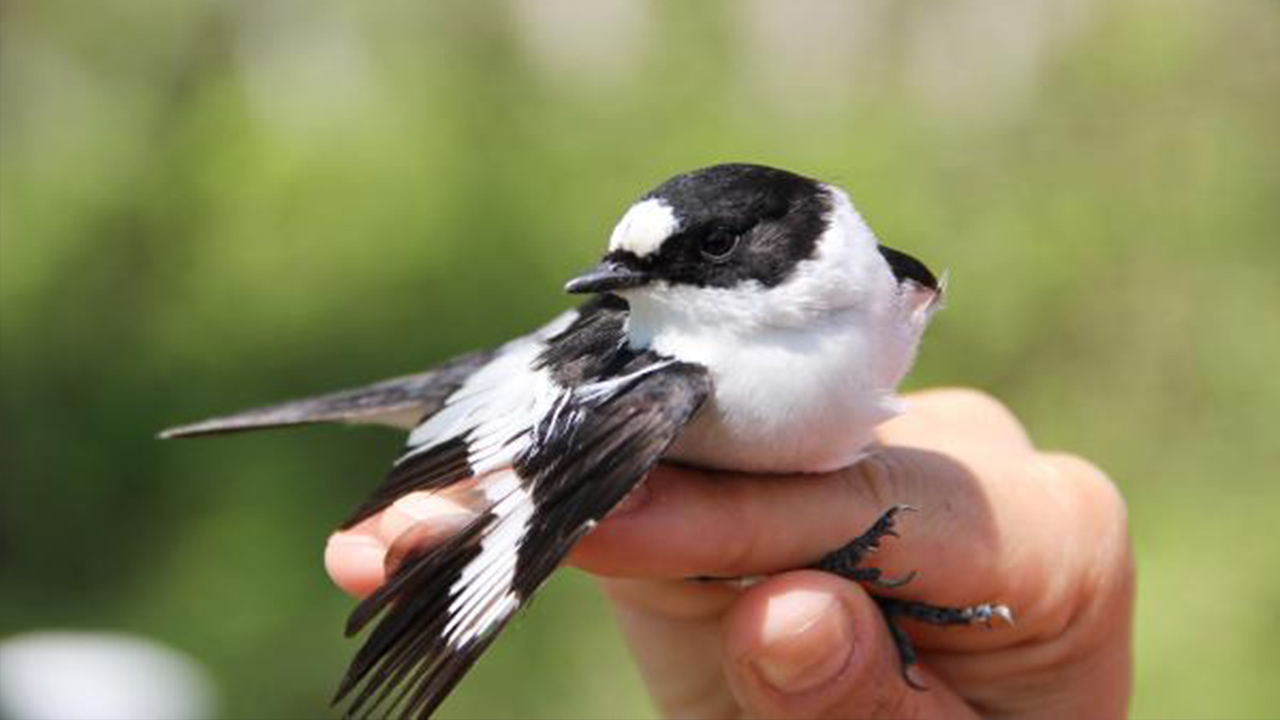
(743,318)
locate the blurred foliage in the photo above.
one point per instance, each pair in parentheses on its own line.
(209,204)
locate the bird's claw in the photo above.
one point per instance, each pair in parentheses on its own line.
(847,563)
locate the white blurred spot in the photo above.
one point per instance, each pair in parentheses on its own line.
(99,676)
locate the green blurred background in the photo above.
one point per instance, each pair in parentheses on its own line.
(209,204)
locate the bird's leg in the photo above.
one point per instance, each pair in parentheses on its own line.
(894,610)
(943,615)
(847,563)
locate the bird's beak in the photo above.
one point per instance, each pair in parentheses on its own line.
(610,275)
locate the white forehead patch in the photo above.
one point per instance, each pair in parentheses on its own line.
(644,227)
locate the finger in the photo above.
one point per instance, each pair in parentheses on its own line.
(673,630)
(444,520)
(949,416)
(361,558)
(810,645)
(354,558)
(717,524)
(702,523)
(988,529)
(420,512)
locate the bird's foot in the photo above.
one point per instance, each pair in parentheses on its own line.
(847,563)
(847,560)
(895,610)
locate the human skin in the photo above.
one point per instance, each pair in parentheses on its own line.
(998,521)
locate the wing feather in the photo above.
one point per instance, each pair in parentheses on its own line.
(401,402)
(444,606)
(398,402)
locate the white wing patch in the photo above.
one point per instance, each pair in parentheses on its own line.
(494,409)
(643,228)
(482,596)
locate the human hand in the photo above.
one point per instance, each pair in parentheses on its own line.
(1042,533)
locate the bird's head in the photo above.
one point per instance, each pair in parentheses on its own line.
(743,246)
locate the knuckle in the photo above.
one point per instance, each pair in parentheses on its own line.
(739,550)
(880,476)
(738,554)
(1098,494)
(1102,521)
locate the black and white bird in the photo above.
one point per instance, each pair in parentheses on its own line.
(744,318)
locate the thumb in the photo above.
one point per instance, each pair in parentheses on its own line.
(807,644)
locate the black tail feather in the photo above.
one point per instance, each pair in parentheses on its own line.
(413,607)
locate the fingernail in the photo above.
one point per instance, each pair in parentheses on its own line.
(807,640)
(419,507)
(355,561)
(636,499)
(352,542)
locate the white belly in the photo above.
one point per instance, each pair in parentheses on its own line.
(787,401)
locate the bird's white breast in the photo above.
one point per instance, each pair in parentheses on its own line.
(784,401)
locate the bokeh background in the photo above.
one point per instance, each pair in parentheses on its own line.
(209,204)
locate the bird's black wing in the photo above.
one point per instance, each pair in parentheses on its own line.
(589,447)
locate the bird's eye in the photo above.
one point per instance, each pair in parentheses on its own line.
(719,244)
